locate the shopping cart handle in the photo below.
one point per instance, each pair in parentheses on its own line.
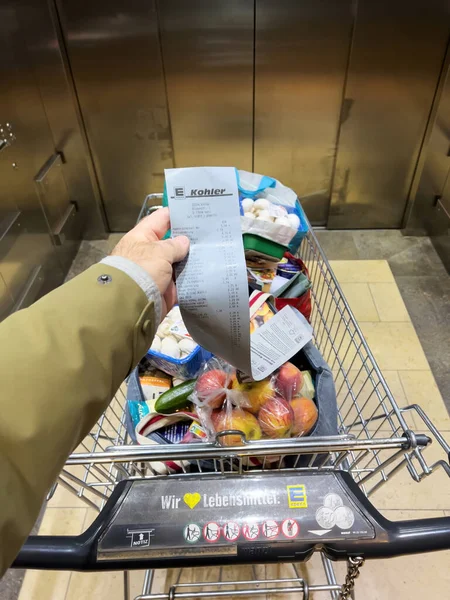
(81,553)
(54,552)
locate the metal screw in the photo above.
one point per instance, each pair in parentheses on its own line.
(14,166)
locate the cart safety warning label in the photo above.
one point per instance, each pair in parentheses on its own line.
(212,281)
(180,516)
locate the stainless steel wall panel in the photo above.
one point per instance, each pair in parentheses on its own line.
(20,105)
(208,63)
(114,52)
(6,300)
(397,52)
(430,208)
(28,263)
(40,26)
(436,165)
(301,57)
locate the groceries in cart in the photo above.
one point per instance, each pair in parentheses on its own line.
(280,406)
(272,220)
(173,350)
(210,395)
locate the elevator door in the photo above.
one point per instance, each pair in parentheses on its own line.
(396,56)
(330,97)
(207,50)
(115,57)
(301,59)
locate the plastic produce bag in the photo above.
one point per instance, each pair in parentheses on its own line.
(270,210)
(274,408)
(282,202)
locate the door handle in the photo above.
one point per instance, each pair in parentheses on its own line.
(56,230)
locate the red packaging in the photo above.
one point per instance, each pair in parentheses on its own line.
(302,304)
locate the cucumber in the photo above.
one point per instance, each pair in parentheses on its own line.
(176,398)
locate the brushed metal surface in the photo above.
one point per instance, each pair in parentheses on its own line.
(40,27)
(29,244)
(430,211)
(397,53)
(6,300)
(208,64)
(114,53)
(301,58)
(436,168)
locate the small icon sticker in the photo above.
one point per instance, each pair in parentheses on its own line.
(250,531)
(333,501)
(270,529)
(231,531)
(290,528)
(344,517)
(211,532)
(297,496)
(140,539)
(192,533)
(325,517)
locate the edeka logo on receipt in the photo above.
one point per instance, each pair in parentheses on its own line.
(212,281)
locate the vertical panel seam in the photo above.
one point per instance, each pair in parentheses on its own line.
(254,87)
(354,9)
(163,68)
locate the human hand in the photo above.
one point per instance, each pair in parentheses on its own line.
(143,246)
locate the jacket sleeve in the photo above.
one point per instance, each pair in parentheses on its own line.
(61,362)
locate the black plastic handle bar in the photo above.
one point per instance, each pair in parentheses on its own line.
(79,553)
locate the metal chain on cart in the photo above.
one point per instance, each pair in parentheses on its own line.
(353,566)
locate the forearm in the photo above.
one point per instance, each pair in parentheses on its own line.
(61,362)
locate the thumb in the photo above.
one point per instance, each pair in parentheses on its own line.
(175,249)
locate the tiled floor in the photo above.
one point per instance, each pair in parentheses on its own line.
(421,278)
(377,303)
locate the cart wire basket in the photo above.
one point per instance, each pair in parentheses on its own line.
(331,485)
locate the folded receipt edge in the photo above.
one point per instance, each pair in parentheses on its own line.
(212,281)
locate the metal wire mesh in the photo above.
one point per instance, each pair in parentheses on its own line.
(376,440)
(372,444)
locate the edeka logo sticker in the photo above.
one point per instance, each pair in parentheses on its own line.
(297,496)
(192,499)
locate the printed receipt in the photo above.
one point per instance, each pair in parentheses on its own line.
(212,281)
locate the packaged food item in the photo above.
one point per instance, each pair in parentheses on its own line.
(154,383)
(263,278)
(296,292)
(174,351)
(270,211)
(261,251)
(260,315)
(287,268)
(273,408)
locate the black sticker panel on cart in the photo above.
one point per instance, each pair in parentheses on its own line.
(216,515)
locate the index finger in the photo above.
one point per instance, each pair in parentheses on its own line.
(157,224)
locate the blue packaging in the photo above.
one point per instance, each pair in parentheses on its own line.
(184,368)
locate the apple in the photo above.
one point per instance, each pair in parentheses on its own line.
(255,393)
(276,418)
(211,387)
(305,415)
(238,419)
(289,381)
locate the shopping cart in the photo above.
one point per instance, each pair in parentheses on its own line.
(288,508)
